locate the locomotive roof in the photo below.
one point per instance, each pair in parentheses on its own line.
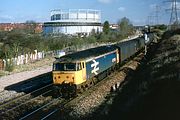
(86,54)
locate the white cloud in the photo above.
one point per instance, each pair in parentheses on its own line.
(4,18)
(105,1)
(121,9)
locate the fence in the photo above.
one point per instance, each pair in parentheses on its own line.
(1,64)
(22,59)
(29,58)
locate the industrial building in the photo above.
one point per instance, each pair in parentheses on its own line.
(73,22)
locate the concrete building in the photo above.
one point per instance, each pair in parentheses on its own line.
(73,22)
(114,26)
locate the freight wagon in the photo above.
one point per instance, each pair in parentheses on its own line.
(129,48)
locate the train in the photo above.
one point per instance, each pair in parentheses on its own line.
(73,73)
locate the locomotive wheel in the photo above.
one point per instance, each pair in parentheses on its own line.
(68,91)
(56,92)
(72,91)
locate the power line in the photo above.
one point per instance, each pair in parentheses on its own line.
(154,18)
(150,20)
(173,22)
(157,10)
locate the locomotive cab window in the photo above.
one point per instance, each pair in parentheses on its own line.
(58,67)
(64,67)
(67,67)
(70,67)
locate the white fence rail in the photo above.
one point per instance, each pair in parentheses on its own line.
(27,58)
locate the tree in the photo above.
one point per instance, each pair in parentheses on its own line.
(90,39)
(31,26)
(106,27)
(125,27)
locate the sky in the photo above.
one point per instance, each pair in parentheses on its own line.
(137,11)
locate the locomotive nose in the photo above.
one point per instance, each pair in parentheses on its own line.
(60,78)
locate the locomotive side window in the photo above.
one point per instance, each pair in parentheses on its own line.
(83,64)
(79,66)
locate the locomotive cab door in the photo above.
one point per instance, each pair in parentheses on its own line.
(83,70)
(80,74)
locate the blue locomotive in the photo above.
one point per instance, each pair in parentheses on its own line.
(75,72)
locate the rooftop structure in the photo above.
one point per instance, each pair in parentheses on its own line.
(73,21)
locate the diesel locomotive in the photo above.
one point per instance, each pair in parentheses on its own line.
(75,72)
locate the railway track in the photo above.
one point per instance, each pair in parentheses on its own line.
(21,105)
(17,90)
(6,96)
(46,110)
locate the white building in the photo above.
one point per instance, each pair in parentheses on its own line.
(73,21)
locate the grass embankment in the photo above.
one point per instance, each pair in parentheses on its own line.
(153,91)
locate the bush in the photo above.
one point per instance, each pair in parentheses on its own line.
(9,66)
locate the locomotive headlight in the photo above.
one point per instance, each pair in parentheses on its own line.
(72,76)
(66,81)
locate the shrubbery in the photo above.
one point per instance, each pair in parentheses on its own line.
(18,42)
(9,66)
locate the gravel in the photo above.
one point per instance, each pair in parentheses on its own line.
(8,95)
